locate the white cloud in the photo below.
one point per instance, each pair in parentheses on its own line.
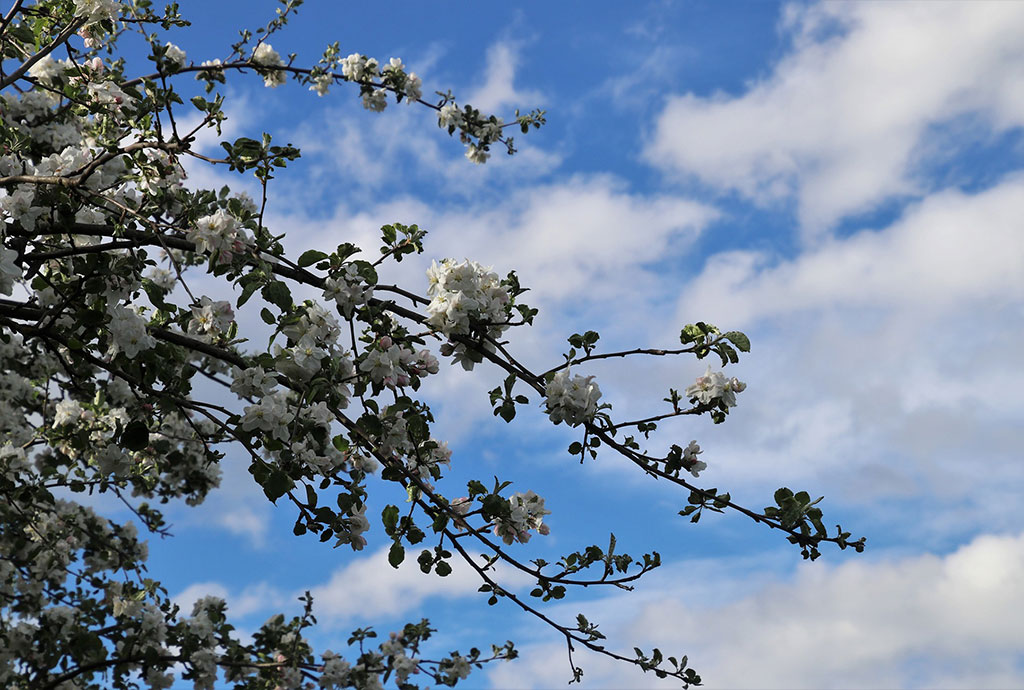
(252,599)
(370,587)
(840,119)
(366,588)
(498,90)
(949,250)
(920,621)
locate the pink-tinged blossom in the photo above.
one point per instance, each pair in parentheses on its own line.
(219,232)
(527,513)
(713,386)
(211,318)
(690,462)
(384,365)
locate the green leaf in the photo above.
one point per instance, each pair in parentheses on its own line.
(396,555)
(310,257)
(277,484)
(739,340)
(277,293)
(135,436)
(389,516)
(247,291)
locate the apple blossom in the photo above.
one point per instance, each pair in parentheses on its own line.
(571,400)
(266,56)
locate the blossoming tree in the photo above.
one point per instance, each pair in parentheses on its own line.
(103,340)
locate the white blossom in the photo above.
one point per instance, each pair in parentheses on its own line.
(527,513)
(128,332)
(476,154)
(219,232)
(46,70)
(449,115)
(690,462)
(67,412)
(713,386)
(9,271)
(211,318)
(252,382)
(97,10)
(571,400)
(266,56)
(348,290)
(358,67)
(413,88)
(108,93)
(321,84)
(175,55)
(334,675)
(375,100)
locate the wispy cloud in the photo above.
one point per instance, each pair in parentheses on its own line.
(365,589)
(498,89)
(840,120)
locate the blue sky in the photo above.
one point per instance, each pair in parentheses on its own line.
(842,181)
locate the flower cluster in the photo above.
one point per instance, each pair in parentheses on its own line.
(267,57)
(527,513)
(98,10)
(467,299)
(211,319)
(571,400)
(713,388)
(219,233)
(312,334)
(394,365)
(348,289)
(362,69)
(470,124)
(271,415)
(128,332)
